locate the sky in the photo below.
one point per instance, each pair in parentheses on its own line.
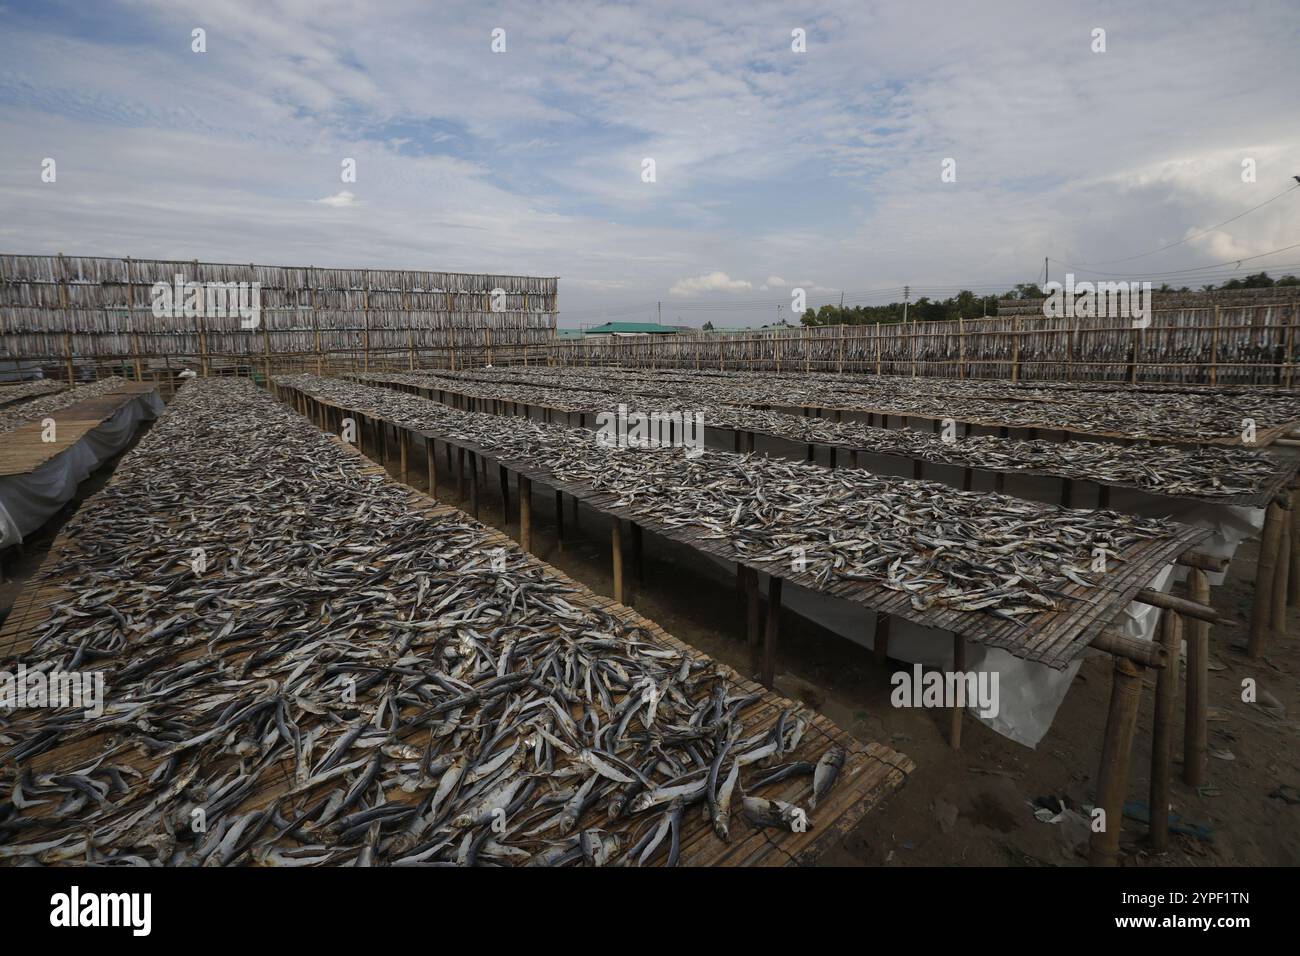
(775,168)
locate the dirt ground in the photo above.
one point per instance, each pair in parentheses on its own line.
(974,806)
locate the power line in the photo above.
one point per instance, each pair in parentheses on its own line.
(1217,265)
(1143,255)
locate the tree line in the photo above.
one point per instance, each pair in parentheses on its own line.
(966,304)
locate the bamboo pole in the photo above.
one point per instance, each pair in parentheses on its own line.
(1293,591)
(1214,349)
(1261,612)
(431,465)
(526,513)
(1282,576)
(1163,730)
(767,673)
(1196,723)
(880,643)
(958,710)
(504,477)
(1116,751)
(616,549)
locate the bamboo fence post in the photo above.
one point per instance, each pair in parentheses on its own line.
(1196,725)
(1214,349)
(67,318)
(130,314)
(1163,728)
(203,330)
(961,347)
(1274,522)
(1015,348)
(315,319)
(365,318)
(1116,751)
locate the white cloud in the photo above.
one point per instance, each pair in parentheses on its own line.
(776,282)
(340,198)
(712,282)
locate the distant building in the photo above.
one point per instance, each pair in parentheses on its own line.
(622,329)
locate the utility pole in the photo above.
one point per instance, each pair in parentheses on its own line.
(907,291)
(659,306)
(1046,277)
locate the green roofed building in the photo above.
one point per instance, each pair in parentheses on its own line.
(631,328)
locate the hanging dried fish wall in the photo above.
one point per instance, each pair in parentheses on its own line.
(1251,342)
(65,312)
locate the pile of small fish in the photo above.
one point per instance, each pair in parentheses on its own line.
(24,391)
(304,668)
(1208,472)
(1204,416)
(38,408)
(947,549)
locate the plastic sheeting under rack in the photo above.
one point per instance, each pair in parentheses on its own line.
(28,501)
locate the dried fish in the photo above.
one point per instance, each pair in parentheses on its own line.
(344,678)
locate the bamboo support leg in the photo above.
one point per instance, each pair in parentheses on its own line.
(1281,578)
(1293,591)
(767,674)
(473,485)
(1116,751)
(1196,726)
(638,565)
(880,646)
(1269,546)
(616,548)
(431,463)
(753,610)
(559,517)
(505,493)
(404,450)
(958,666)
(460,474)
(1162,732)
(525,513)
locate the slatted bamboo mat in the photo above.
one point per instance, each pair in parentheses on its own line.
(1054,638)
(1282,478)
(22,451)
(871,771)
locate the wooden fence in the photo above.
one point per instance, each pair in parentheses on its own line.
(90,316)
(1245,344)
